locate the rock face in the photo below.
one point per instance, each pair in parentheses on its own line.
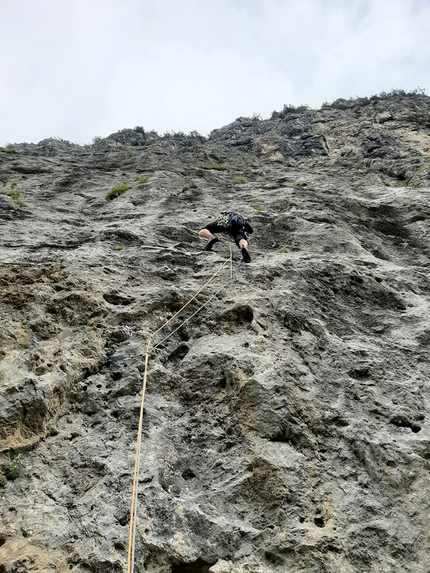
(286,424)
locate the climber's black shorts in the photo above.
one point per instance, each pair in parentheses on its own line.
(237,233)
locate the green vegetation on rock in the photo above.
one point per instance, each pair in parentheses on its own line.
(11,470)
(15,196)
(256,204)
(215,166)
(116,191)
(9,150)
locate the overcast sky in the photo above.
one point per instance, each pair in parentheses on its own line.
(77,69)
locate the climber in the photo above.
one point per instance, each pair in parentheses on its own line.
(230,224)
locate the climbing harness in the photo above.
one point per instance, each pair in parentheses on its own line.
(133,509)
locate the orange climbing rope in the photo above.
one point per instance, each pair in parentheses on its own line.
(133,509)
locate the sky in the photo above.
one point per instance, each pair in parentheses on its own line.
(79,69)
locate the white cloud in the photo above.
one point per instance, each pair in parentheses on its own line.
(77,69)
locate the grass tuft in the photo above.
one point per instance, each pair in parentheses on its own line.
(257,204)
(240,180)
(15,196)
(215,166)
(11,471)
(116,191)
(9,150)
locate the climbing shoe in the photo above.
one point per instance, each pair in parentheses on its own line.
(246,256)
(211,243)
